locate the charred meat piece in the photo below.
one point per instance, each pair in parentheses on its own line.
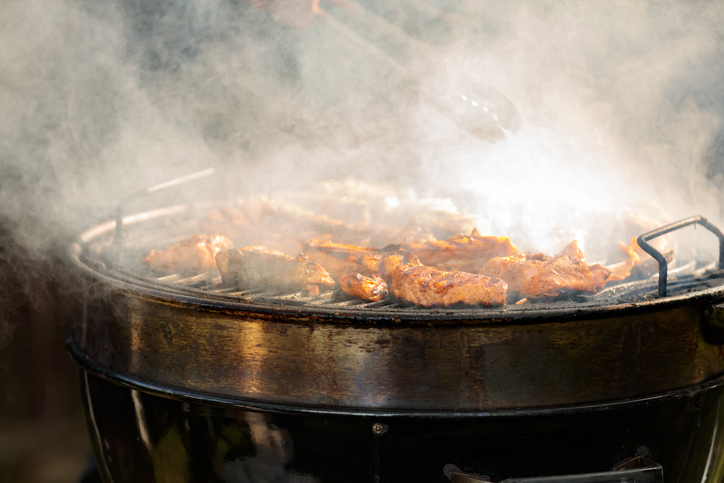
(429,287)
(258,267)
(538,276)
(371,288)
(461,252)
(196,253)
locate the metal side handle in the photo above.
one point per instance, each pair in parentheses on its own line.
(635,470)
(663,267)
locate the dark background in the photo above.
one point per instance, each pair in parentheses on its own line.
(42,431)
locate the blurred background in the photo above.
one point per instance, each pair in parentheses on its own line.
(621,105)
(42,431)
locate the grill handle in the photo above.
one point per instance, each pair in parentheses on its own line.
(635,470)
(663,267)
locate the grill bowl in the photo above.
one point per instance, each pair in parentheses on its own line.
(197,335)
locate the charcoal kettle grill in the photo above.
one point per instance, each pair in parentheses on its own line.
(186,378)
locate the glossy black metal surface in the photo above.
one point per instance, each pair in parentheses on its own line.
(139,436)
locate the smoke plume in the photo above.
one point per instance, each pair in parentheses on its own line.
(620,105)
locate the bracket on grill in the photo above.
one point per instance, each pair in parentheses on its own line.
(663,267)
(635,470)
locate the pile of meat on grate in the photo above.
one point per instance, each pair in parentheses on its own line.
(425,259)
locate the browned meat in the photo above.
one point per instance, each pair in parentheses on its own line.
(258,267)
(638,264)
(600,273)
(278,225)
(283,226)
(516,270)
(194,254)
(340,259)
(557,274)
(460,252)
(372,288)
(383,235)
(536,276)
(622,271)
(391,212)
(392,261)
(431,287)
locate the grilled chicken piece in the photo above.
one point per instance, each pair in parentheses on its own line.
(600,273)
(340,259)
(429,287)
(558,274)
(383,235)
(638,264)
(460,252)
(281,226)
(371,288)
(537,276)
(258,267)
(387,204)
(516,270)
(622,270)
(196,253)
(392,261)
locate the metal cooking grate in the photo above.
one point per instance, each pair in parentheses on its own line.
(119,256)
(688,278)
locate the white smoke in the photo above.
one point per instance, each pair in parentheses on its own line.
(620,102)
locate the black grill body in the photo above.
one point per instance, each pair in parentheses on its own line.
(144,432)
